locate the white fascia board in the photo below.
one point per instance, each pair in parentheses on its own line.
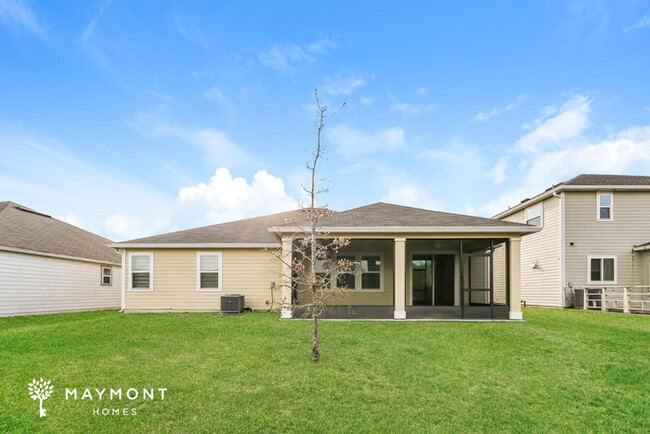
(560,188)
(641,248)
(56,255)
(413,229)
(195,245)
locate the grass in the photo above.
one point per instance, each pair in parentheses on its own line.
(561,370)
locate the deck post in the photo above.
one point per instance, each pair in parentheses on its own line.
(602,299)
(626,300)
(515,278)
(400,278)
(286,312)
(585,299)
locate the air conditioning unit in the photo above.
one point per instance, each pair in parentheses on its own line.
(232,304)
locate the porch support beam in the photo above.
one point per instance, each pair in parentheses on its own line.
(515,278)
(286,312)
(400,278)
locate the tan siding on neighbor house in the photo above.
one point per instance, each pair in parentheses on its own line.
(631,225)
(31,284)
(541,285)
(244,271)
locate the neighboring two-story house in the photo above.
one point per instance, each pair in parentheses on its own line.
(595,232)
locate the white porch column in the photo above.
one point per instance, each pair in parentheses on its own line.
(515,278)
(286,312)
(400,278)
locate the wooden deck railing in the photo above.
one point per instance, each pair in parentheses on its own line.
(626,299)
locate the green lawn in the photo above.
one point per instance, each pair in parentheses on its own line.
(561,370)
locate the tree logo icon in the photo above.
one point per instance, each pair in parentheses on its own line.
(40,390)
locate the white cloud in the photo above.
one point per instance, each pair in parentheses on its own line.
(214,93)
(571,121)
(410,194)
(367,101)
(644,22)
(284,57)
(343,84)
(72,219)
(484,116)
(353,142)
(45,174)
(123,227)
(412,109)
(16,15)
(215,143)
(225,198)
(499,171)
(540,166)
(422,92)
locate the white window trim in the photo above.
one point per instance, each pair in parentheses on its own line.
(541,214)
(611,206)
(150,255)
(602,271)
(357,275)
(101,275)
(198,272)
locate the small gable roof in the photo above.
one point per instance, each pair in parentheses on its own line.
(23,228)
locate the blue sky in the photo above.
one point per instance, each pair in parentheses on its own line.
(135,118)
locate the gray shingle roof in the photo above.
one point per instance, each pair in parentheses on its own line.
(253,230)
(24,228)
(587,179)
(388,215)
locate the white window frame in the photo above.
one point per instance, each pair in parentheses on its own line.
(357,275)
(602,271)
(541,213)
(101,275)
(611,206)
(198,271)
(150,255)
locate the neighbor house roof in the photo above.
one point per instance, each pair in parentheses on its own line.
(386,217)
(252,232)
(24,230)
(585,182)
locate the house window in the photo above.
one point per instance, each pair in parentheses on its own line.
(534,216)
(208,272)
(368,275)
(602,269)
(347,280)
(605,207)
(107,275)
(371,272)
(141,270)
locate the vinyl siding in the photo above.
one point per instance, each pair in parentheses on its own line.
(244,271)
(631,225)
(31,284)
(541,285)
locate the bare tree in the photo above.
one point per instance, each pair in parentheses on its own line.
(317,275)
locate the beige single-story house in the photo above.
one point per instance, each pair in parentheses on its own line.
(49,266)
(415,263)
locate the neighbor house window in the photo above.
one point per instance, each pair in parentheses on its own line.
(368,275)
(208,271)
(107,275)
(605,206)
(602,269)
(534,215)
(141,270)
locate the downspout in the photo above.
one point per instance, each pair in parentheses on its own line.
(561,198)
(123,253)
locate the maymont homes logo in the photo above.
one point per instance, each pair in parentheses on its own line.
(40,390)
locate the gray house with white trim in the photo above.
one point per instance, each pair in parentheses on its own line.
(595,232)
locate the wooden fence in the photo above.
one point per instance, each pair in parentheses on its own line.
(626,299)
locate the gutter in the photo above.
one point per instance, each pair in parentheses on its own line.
(562,246)
(123,295)
(195,245)
(56,255)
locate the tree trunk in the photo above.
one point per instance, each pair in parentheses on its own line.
(315,348)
